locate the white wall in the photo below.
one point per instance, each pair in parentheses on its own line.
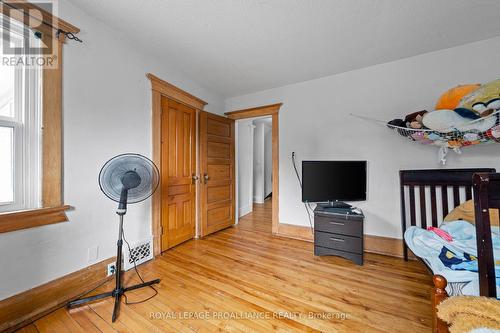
(258,163)
(245,165)
(107,111)
(315,123)
(268,159)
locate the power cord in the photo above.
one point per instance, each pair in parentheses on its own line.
(136,271)
(306,204)
(96,287)
(139,275)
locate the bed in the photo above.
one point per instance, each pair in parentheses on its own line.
(427,196)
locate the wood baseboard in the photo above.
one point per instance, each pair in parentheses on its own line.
(26,307)
(384,245)
(373,244)
(295,232)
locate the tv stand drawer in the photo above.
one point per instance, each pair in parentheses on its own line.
(338,242)
(349,227)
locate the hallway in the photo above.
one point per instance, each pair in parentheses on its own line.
(259,220)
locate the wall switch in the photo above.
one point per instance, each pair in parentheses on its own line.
(92,254)
(111,269)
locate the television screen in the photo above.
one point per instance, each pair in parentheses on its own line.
(324,181)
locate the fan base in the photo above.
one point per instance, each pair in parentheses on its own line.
(117,294)
(119,289)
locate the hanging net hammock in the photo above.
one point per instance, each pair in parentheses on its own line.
(479,131)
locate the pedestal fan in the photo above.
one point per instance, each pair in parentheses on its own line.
(126,179)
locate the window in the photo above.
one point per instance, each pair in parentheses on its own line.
(31,115)
(20,130)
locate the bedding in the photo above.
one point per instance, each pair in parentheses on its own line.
(463,279)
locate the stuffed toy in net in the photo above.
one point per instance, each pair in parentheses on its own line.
(475,120)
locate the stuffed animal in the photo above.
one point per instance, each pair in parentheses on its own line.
(482,102)
(398,124)
(494,134)
(479,103)
(414,120)
(452,97)
(443,121)
(446,121)
(462,118)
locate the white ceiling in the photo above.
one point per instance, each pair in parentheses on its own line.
(236,47)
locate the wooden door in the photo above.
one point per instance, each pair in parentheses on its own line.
(217,199)
(178,168)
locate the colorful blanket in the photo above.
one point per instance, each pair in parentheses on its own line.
(464,262)
(428,246)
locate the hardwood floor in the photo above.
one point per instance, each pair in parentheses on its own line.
(243,279)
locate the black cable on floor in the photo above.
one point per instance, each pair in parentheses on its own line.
(96,287)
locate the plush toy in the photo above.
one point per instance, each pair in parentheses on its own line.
(398,124)
(479,103)
(443,121)
(482,102)
(446,121)
(462,118)
(494,133)
(414,120)
(451,98)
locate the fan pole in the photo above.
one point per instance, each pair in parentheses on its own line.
(118,292)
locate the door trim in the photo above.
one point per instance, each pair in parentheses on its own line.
(267,110)
(175,93)
(161,88)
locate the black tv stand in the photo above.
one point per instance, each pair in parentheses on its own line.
(339,232)
(334,205)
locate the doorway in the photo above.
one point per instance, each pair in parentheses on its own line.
(199,197)
(255,171)
(252,114)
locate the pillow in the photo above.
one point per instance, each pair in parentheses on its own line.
(466,212)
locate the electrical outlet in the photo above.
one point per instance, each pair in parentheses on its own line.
(111,269)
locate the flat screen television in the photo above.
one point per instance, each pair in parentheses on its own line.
(332,181)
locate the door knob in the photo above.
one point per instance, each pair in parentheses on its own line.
(194,178)
(205,178)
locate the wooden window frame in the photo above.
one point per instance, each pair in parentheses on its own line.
(53,210)
(161,88)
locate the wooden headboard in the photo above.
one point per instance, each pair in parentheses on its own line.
(442,179)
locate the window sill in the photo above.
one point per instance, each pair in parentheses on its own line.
(25,219)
